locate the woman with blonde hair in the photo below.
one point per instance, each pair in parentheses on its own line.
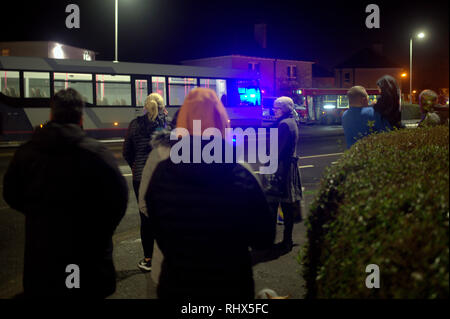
(136,149)
(206,215)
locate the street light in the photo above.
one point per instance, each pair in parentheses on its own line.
(421,35)
(116,60)
(404,75)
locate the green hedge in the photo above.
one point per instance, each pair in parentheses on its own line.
(384,203)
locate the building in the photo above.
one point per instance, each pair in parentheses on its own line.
(365,68)
(322,78)
(278,76)
(45,49)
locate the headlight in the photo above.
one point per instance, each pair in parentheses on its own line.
(329,106)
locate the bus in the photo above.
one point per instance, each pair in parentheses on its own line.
(114,93)
(326,106)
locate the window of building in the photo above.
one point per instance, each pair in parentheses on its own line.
(347,77)
(36,84)
(9,84)
(254,66)
(219,86)
(113,89)
(77,81)
(159,86)
(292,71)
(179,89)
(6,52)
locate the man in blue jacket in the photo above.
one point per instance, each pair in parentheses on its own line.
(360,119)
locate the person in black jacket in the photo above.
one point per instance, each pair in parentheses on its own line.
(285,187)
(136,149)
(388,105)
(206,216)
(73,196)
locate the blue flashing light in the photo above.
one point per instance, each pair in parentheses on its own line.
(249,96)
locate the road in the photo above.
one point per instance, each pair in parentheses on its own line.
(320,146)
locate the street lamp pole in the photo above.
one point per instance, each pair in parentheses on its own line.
(117,33)
(410,69)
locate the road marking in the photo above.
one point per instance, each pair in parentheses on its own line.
(322,155)
(306,166)
(127,174)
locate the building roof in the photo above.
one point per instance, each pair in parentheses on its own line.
(367,58)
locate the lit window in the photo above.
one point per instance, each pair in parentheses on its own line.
(179,89)
(37,84)
(9,84)
(113,89)
(219,86)
(159,86)
(77,81)
(6,52)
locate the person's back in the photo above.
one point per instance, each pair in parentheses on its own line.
(360,120)
(207,215)
(73,196)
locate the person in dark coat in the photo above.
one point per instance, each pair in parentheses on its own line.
(206,216)
(388,105)
(285,187)
(73,196)
(136,149)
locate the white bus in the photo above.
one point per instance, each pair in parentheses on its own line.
(114,92)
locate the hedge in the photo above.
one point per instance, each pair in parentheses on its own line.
(384,203)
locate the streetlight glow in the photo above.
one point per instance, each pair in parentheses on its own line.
(421,35)
(404,75)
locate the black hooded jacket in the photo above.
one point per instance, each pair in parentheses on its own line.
(73,196)
(136,146)
(388,105)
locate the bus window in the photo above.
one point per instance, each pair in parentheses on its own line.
(37,84)
(9,84)
(78,81)
(219,86)
(179,89)
(159,86)
(141,92)
(113,89)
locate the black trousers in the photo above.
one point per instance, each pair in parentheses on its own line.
(147,235)
(290,211)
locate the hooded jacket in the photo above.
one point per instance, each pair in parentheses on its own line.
(137,146)
(73,196)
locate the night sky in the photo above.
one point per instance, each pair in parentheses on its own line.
(169,31)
